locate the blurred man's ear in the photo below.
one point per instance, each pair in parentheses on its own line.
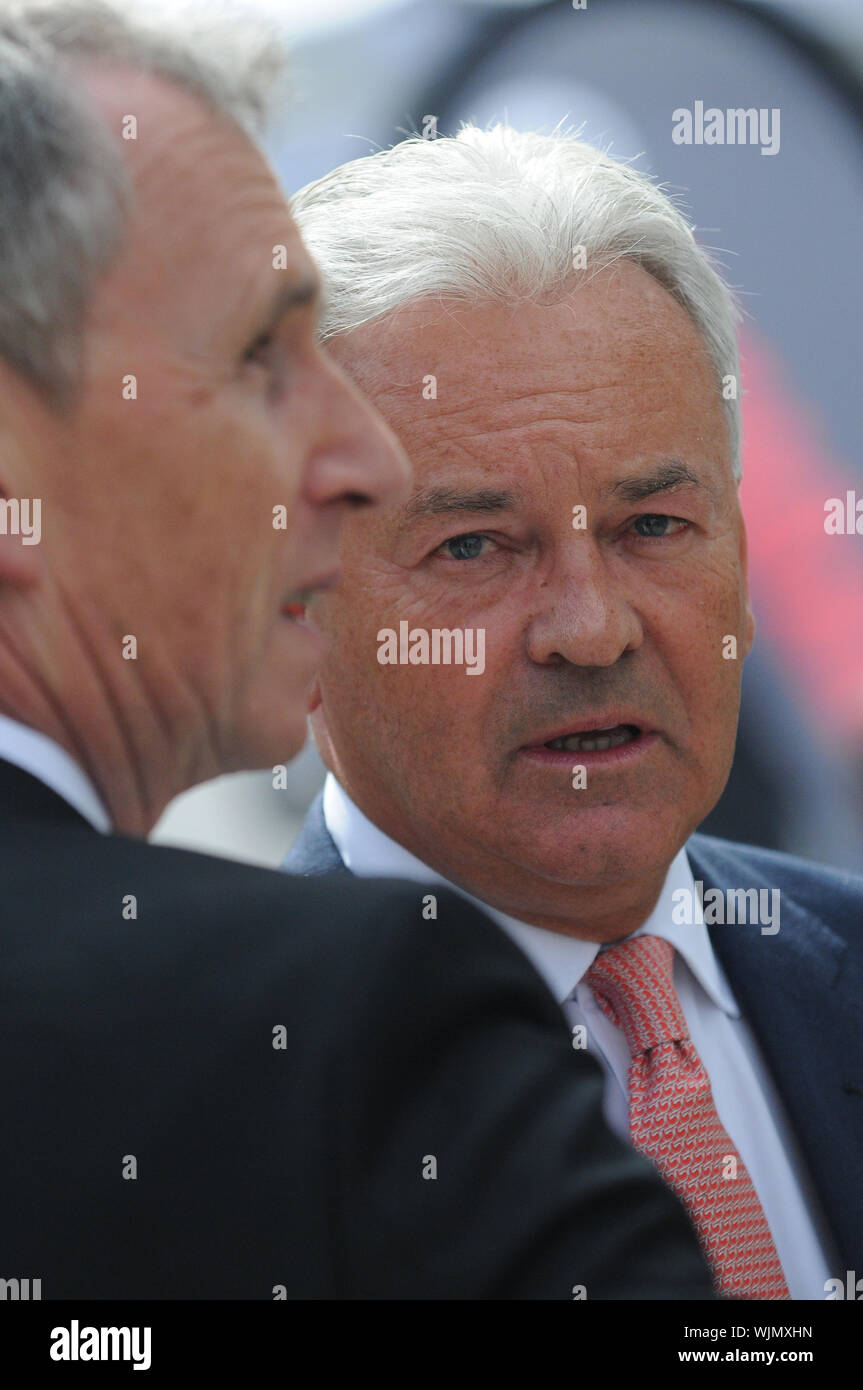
(20,537)
(20,510)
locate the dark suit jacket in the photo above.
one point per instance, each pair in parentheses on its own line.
(147,1044)
(801,991)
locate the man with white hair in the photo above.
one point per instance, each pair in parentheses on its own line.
(218,1083)
(533,680)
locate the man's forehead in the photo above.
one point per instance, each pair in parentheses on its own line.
(500,363)
(581,307)
(117,91)
(527,389)
(185,158)
(207,204)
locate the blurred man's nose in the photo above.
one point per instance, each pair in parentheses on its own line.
(582,615)
(358,459)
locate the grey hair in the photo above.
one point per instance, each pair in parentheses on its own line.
(499,214)
(65,195)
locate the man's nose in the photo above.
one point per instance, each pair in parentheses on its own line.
(358,459)
(582,615)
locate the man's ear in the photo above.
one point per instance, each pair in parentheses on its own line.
(20,536)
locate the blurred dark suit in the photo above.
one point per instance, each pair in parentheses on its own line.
(260,1167)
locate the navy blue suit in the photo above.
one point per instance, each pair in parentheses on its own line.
(800,990)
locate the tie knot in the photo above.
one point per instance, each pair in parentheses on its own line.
(634,984)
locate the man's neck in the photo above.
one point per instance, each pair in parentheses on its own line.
(103,740)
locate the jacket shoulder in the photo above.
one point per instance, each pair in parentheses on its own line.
(192,908)
(834,895)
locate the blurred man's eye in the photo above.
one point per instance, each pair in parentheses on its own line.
(261,350)
(466,547)
(267,353)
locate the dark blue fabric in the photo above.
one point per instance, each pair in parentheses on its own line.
(299,1165)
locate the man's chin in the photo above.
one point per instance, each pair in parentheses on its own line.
(271,743)
(598,848)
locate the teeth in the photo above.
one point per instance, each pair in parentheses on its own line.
(595,742)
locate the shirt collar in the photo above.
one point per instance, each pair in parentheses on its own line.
(561,960)
(691,941)
(43,758)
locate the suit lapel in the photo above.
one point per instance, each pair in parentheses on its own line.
(800,991)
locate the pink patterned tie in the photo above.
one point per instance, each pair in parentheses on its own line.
(673,1118)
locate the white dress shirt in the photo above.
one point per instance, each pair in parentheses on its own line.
(745,1097)
(43,758)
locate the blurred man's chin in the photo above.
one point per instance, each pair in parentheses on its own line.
(295,738)
(271,724)
(270,742)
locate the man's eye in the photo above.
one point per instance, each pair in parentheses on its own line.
(267,354)
(466,547)
(657,526)
(261,350)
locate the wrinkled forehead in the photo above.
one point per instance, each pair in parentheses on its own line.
(210,238)
(197,178)
(614,366)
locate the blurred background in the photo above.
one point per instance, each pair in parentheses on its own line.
(787,229)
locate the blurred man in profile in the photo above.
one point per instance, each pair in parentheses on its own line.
(533,680)
(218,1083)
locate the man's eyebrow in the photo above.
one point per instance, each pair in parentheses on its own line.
(668,475)
(296,296)
(451,501)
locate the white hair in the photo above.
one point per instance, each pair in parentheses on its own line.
(501,214)
(64,191)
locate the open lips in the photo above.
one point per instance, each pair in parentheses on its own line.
(298,600)
(595,740)
(604,741)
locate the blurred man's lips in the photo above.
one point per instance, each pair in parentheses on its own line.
(296,603)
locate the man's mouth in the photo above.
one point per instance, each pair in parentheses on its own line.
(295,609)
(296,602)
(595,740)
(605,742)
